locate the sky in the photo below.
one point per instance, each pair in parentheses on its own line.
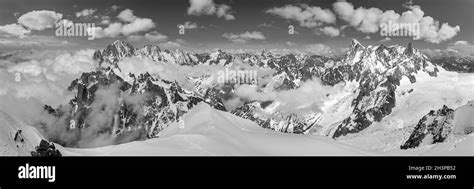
(323,26)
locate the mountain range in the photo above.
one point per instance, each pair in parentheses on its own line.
(371,77)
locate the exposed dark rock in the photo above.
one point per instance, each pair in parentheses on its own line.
(436,125)
(46,149)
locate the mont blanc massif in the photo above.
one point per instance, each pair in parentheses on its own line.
(373,100)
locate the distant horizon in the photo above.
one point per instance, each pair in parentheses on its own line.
(320,27)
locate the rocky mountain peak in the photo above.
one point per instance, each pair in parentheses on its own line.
(114,52)
(434,127)
(408,50)
(266,53)
(356,44)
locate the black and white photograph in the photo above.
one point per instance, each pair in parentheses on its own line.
(82,80)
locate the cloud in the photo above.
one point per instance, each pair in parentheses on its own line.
(208,7)
(14,30)
(138,25)
(33,41)
(368,20)
(386,39)
(290,44)
(139,65)
(318,49)
(127,15)
(85,13)
(458,49)
(104,107)
(155,36)
(150,37)
(34,20)
(39,20)
(63,64)
(172,44)
(112,31)
(44,75)
(309,97)
(132,25)
(463,47)
(265,25)
(344,10)
(244,37)
(74,63)
(305,15)
(190,25)
(105,20)
(330,31)
(115,7)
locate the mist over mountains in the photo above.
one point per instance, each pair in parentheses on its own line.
(129,94)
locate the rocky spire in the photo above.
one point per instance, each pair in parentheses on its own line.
(408,50)
(355,43)
(355,47)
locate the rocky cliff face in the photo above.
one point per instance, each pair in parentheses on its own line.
(432,128)
(439,125)
(143,104)
(456,64)
(376,70)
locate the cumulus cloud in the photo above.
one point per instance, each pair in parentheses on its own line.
(369,20)
(208,7)
(150,37)
(155,36)
(244,37)
(127,15)
(34,20)
(15,30)
(305,15)
(132,25)
(344,10)
(138,25)
(105,20)
(39,20)
(190,25)
(85,13)
(330,31)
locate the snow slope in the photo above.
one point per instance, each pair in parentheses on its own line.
(206,131)
(414,100)
(8,129)
(209,132)
(464,119)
